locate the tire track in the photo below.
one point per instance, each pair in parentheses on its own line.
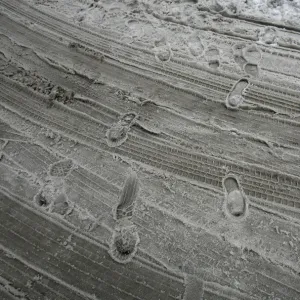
(86,263)
(107,116)
(176,74)
(272,186)
(261,120)
(92,43)
(93,191)
(34,283)
(216,259)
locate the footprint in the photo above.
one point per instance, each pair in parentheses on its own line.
(52,198)
(128,119)
(125,237)
(148,127)
(237,50)
(252,54)
(42,201)
(128,197)
(235,97)
(117,134)
(162,50)
(212,55)
(251,69)
(61,205)
(61,168)
(236,204)
(268,36)
(124,243)
(163,54)
(135,28)
(195,45)
(214,64)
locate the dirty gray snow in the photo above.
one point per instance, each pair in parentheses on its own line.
(150,149)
